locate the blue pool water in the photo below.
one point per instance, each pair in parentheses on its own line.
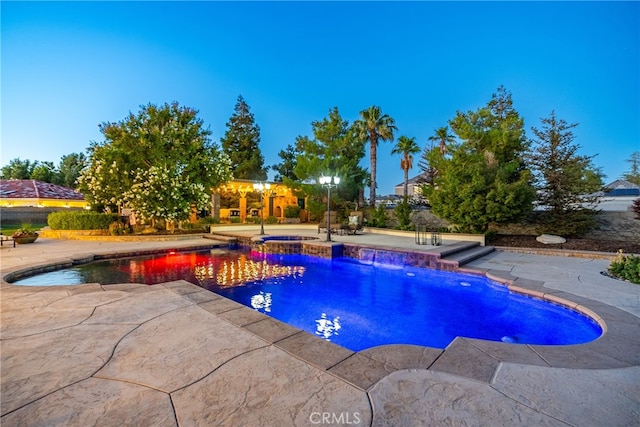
(352,304)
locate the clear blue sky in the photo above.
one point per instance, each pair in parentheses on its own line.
(66,67)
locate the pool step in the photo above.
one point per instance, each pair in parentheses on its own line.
(459,258)
(453,248)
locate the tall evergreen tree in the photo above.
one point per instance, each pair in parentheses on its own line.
(335,149)
(70,167)
(483,179)
(18,169)
(287,167)
(564,180)
(373,126)
(425,164)
(45,172)
(241,144)
(633,175)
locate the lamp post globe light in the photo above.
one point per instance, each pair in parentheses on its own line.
(261,187)
(329,181)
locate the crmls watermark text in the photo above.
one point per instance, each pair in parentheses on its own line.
(335,418)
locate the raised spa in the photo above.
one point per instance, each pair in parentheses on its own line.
(351,303)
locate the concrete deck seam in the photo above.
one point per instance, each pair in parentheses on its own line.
(124,380)
(45,395)
(532,348)
(47,331)
(371,407)
(173,409)
(275,344)
(218,367)
(340,377)
(113,350)
(534,409)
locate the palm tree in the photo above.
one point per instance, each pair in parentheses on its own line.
(443,137)
(407,147)
(373,125)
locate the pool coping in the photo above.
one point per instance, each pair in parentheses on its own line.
(466,357)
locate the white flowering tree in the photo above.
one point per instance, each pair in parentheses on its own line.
(160,192)
(159,162)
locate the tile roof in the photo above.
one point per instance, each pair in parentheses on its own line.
(32,189)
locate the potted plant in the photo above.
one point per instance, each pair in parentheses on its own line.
(25,234)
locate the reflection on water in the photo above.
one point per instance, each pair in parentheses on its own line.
(327,328)
(262,301)
(239,271)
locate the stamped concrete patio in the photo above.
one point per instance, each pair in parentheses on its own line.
(176,354)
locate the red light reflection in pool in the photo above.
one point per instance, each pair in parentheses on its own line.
(205,268)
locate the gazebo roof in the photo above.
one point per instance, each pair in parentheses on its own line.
(32,189)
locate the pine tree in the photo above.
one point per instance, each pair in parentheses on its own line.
(482,179)
(286,168)
(633,175)
(241,143)
(564,179)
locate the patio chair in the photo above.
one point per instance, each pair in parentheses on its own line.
(355,222)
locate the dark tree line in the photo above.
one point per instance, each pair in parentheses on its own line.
(66,173)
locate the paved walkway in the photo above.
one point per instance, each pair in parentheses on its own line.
(175,354)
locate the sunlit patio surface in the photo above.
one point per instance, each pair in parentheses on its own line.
(176,354)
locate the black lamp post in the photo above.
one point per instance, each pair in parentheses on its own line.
(329,181)
(261,187)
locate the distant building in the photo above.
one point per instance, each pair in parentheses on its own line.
(389,201)
(621,188)
(32,193)
(414,185)
(276,199)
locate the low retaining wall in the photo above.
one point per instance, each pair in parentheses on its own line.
(71,234)
(329,250)
(480,238)
(103,235)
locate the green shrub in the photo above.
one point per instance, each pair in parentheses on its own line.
(271,220)
(292,211)
(118,228)
(77,220)
(626,267)
(198,226)
(379,217)
(208,220)
(403,215)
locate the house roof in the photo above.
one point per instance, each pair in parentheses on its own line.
(621,184)
(418,179)
(32,189)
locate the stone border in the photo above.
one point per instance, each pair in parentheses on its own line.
(466,357)
(471,358)
(558,252)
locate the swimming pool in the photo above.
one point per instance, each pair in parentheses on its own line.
(353,304)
